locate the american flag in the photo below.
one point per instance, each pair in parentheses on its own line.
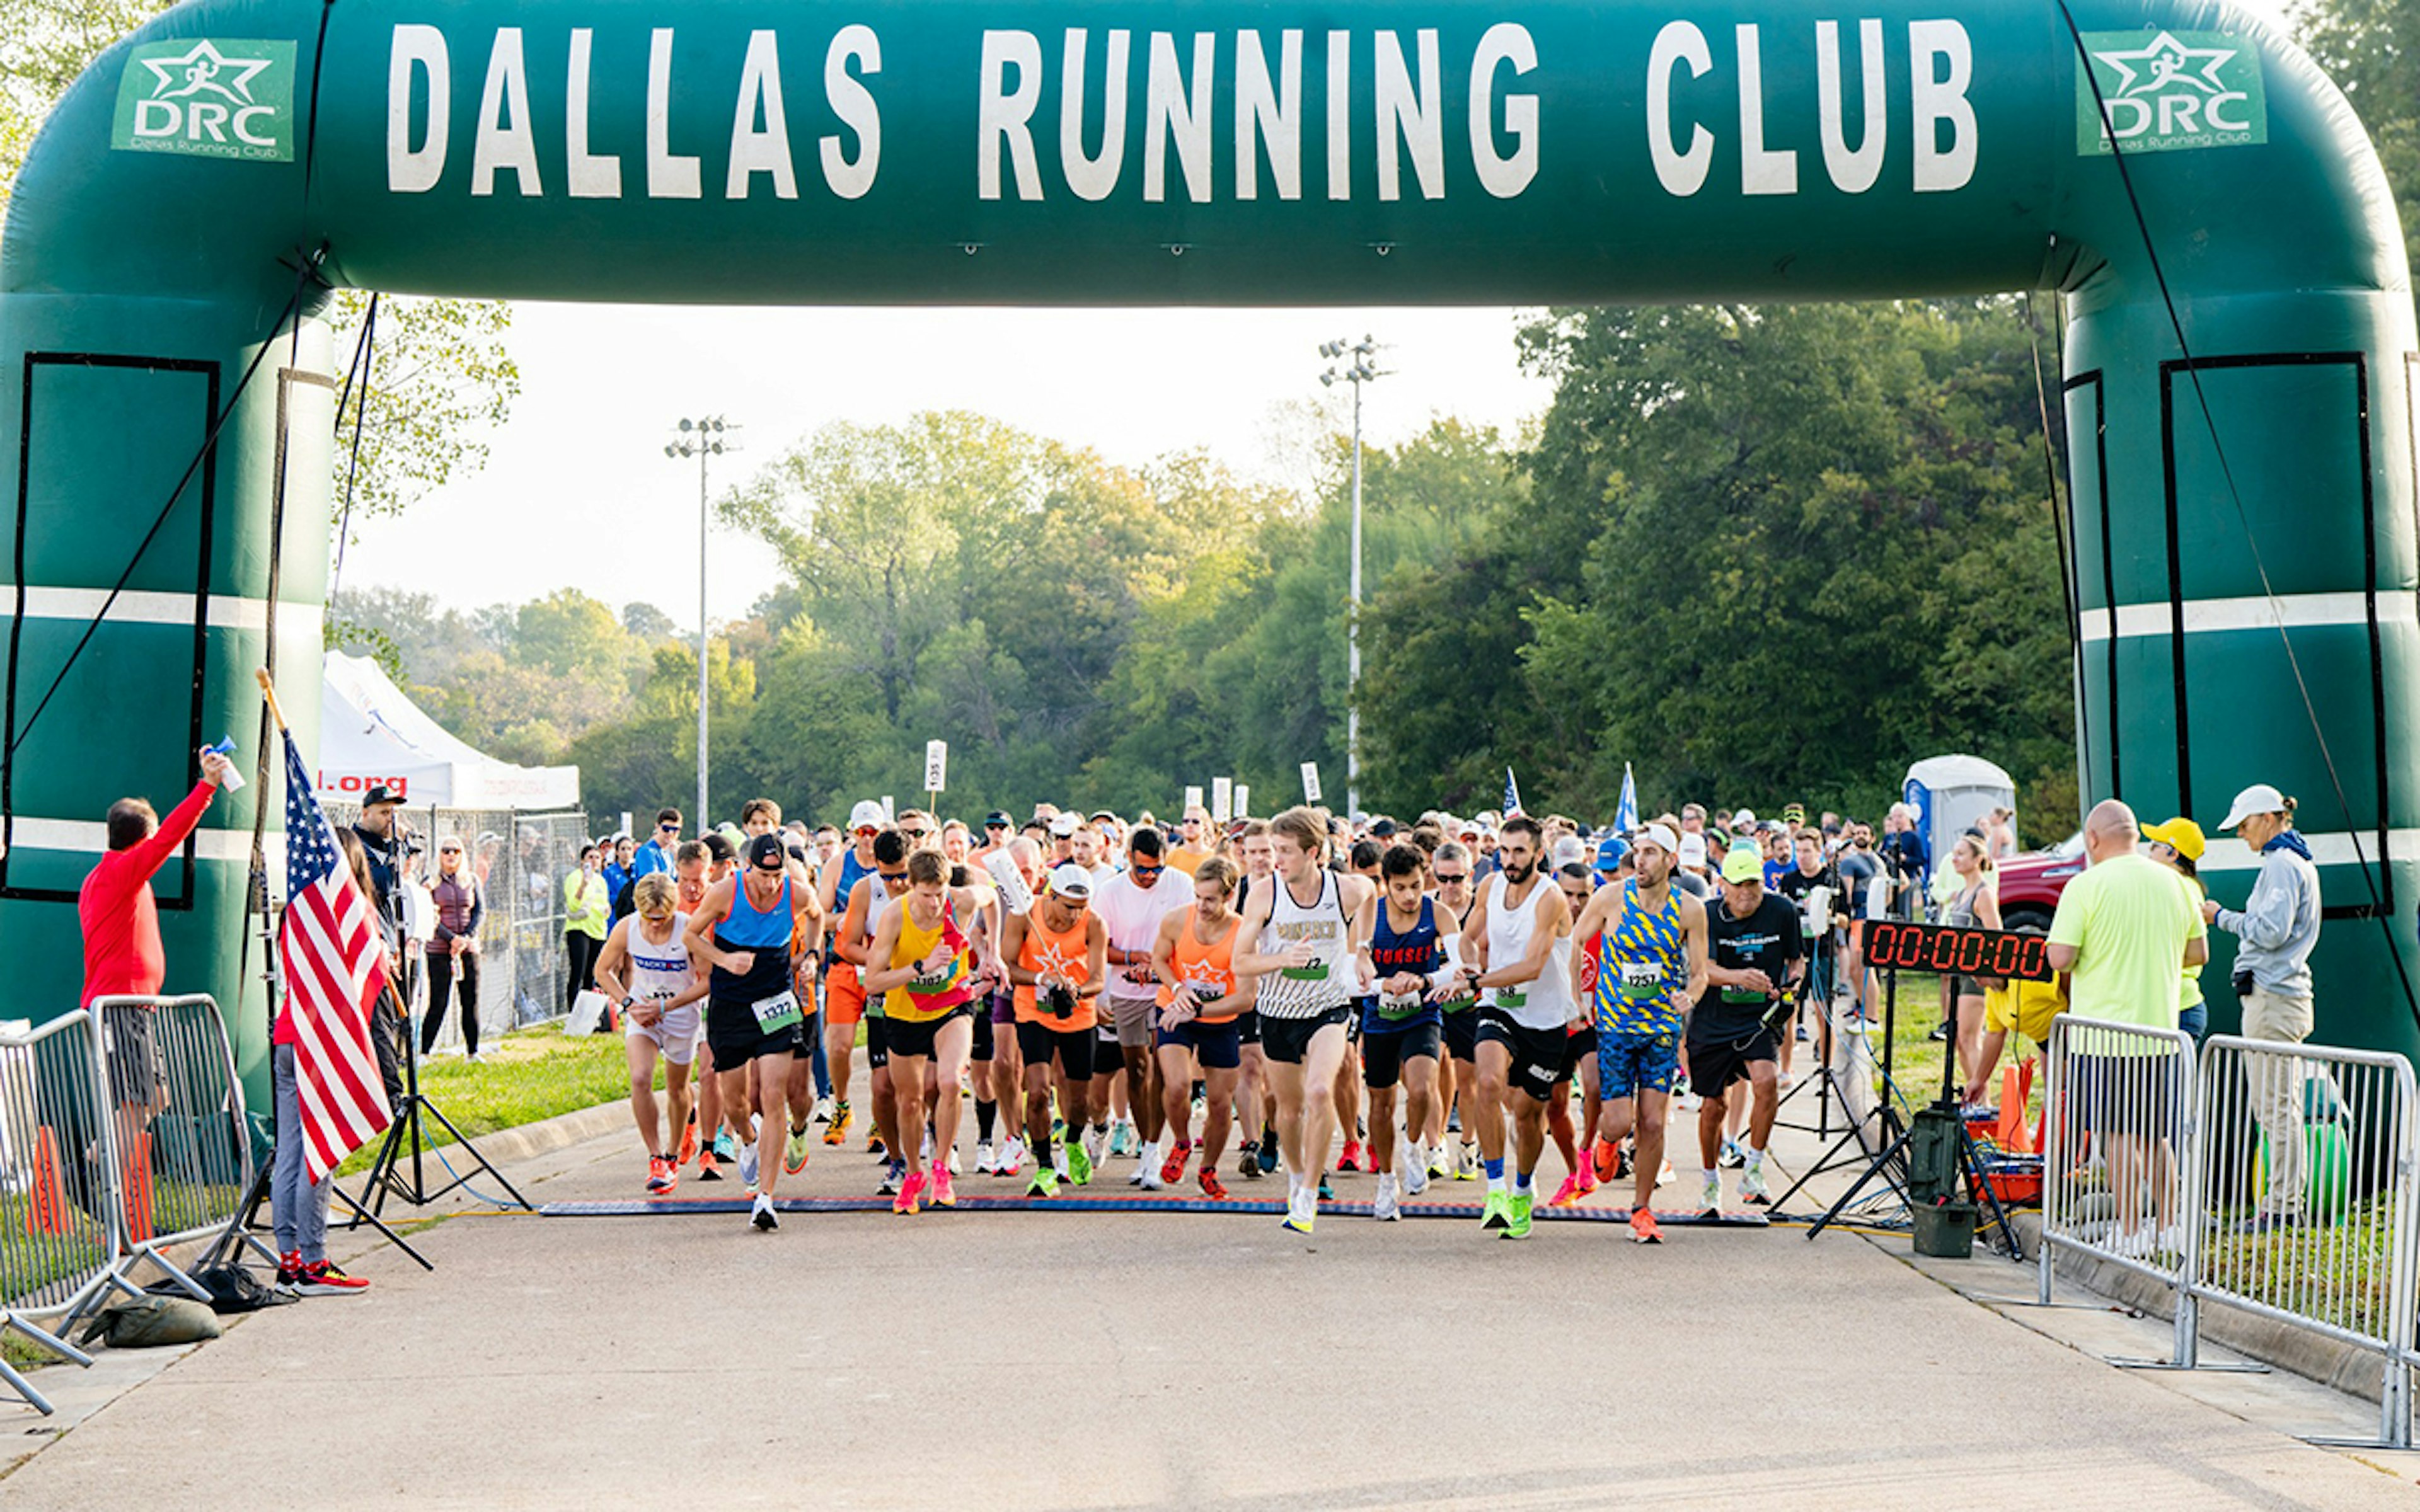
(336,968)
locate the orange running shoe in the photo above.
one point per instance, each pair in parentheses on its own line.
(689,1141)
(1350,1158)
(662,1174)
(1643,1227)
(837,1130)
(707,1168)
(1212,1187)
(1171,1170)
(1568,1193)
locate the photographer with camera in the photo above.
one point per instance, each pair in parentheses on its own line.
(387,847)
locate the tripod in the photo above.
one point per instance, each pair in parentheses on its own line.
(1890,1131)
(386,1172)
(1892,1163)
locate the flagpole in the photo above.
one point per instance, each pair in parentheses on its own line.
(268,691)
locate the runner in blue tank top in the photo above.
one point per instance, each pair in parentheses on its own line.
(1650,968)
(1403,934)
(744,929)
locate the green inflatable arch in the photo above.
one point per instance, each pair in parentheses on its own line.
(2259,474)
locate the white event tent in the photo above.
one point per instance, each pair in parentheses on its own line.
(371,734)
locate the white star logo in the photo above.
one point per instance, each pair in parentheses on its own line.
(2166,61)
(206,70)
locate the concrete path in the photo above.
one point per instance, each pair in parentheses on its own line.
(1137,1360)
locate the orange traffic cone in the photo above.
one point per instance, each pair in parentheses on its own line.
(138,1191)
(47,1211)
(2016,1087)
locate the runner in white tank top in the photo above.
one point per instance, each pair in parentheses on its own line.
(657,990)
(1306,955)
(1519,936)
(1545,1003)
(1307,991)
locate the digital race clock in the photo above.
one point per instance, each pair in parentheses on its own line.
(1943,949)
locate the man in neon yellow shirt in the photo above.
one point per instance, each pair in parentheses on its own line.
(2123,931)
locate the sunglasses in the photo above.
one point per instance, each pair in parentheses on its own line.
(917,834)
(668,829)
(895,876)
(1141,871)
(1447,878)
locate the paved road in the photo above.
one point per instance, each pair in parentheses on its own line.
(1144,1361)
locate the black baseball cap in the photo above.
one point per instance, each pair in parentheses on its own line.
(766,851)
(1383,827)
(378,795)
(998,819)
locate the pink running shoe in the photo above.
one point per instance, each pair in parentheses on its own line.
(911,1192)
(1567,1194)
(1350,1158)
(1587,1177)
(941,1192)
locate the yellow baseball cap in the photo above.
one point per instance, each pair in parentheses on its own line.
(2180,835)
(1742,864)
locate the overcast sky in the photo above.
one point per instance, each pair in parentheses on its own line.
(577,492)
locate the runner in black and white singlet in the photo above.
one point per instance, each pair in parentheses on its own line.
(744,929)
(645,969)
(1301,945)
(1516,949)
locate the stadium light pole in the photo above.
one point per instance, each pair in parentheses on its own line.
(1363,369)
(701,439)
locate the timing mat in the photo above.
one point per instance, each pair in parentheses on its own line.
(657,1206)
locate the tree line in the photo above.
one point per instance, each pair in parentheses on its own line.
(1763,554)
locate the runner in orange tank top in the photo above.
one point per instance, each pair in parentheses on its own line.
(1057,956)
(1200,997)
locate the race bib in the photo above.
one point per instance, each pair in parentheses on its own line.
(1390,1006)
(1742,995)
(1641,979)
(1316,971)
(939,981)
(777,1012)
(1512,997)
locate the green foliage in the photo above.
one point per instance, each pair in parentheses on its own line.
(440,381)
(1772,554)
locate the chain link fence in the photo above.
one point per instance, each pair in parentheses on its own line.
(520,860)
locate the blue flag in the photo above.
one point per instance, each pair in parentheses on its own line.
(1626,818)
(1512,793)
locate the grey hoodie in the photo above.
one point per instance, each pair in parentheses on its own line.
(2279,925)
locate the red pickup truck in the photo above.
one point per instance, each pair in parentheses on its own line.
(2030,884)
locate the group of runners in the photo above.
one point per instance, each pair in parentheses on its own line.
(1429,1002)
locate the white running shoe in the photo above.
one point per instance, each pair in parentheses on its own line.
(1663,1177)
(1148,1178)
(1302,1209)
(1096,1141)
(1146,1164)
(928,1144)
(748,1165)
(823,1111)
(1415,1172)
(953,1162)
(985,1163)
(1711,1199)
(1012,1156)
(762,1215)
(1382,1206)
(1752,1187)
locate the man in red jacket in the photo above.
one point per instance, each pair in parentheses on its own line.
(122,924)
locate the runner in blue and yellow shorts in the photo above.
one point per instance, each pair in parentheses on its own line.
(1650,965)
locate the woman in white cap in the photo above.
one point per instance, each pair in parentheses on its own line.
(2277,929)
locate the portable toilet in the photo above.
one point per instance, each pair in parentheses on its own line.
(1952,795)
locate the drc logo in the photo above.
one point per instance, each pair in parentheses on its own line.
(213,99)
(2170,91)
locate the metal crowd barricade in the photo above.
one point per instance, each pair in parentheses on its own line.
(2121,1141)
(181,1146)
(58,1222)
(2305,1184)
